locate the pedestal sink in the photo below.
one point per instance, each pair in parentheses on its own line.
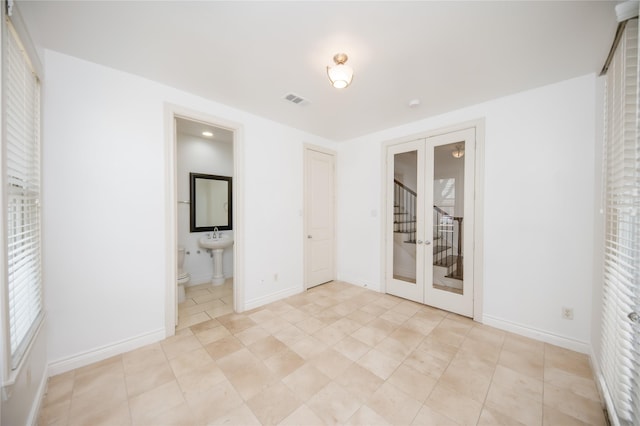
(217,246)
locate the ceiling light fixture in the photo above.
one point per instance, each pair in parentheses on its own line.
(207,134)
(340,74)
(458,152)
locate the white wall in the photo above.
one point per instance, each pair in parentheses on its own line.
(447,167)
(104,174)
(538,216)
(359,186)
(405,169)
(199,155)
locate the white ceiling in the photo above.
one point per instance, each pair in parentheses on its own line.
(249,54)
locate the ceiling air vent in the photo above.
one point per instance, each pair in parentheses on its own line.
(298,100)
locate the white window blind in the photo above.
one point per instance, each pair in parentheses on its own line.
(22,195)
(621,294)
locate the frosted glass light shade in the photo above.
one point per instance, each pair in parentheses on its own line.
(340,74)
(458,152)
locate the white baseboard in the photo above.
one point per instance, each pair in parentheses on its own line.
(34,413)
(545,336)
(273,297)
(104,352)
(360,282)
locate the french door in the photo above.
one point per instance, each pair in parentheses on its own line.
(430,221)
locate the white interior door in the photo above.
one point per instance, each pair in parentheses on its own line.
(430,205)
(405,210)
(450,163)
(319,217)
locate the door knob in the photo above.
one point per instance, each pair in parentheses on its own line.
(419,242)
(427,243)
(309,236)
(634,317)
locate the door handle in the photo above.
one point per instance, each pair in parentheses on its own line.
(426,243)
(634,317)
(419,242)
(309,236)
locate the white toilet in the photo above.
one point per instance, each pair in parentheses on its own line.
(183,277)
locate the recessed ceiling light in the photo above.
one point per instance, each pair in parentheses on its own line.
(207,134)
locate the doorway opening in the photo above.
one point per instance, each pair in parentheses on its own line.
(204,220)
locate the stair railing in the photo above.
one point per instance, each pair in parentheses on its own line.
(404,202)
(442,235)
(444,232)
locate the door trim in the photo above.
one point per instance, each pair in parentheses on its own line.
(478,125)
(171,112)
(305,255)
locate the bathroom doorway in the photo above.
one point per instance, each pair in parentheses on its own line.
(203,241)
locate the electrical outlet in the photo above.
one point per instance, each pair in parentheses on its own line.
(567,313)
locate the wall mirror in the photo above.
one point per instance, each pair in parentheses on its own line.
(210,202)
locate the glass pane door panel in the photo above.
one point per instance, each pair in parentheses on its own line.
(447,216)
(405,180)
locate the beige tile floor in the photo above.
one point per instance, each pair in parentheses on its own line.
(337,354)
(205,302)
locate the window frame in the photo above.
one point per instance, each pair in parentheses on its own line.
(10,370)
(621,244)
